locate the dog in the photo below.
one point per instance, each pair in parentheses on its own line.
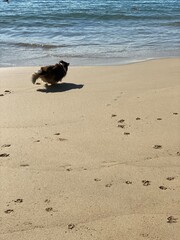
(51,74)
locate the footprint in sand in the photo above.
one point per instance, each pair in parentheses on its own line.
(126,133)
(157,146)
(24,165)
(172,219)
(146,182)
(57,134)
(121,121)
(62,139)
(68,169)
(47,201)
(49,209)
(8,211)
(163,188)
(71,226)
(128,182)
(108,185)
(7,91)
(4,155)
(6,145)
(121,126)
(19,200)
(170,178)
(97,179)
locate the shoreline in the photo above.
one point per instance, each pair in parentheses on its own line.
(98,65)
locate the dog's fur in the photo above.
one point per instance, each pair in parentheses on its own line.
(51,74)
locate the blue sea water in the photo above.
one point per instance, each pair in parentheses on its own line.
(86,32)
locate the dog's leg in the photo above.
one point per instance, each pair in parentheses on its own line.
(35,76)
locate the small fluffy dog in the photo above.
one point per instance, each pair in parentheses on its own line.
(51,74)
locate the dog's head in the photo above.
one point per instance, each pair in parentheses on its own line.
(65,64)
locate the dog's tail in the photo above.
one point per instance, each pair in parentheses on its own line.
(35,76)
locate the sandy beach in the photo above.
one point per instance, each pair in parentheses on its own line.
(96,157)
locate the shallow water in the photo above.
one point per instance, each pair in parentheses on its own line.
(88,32)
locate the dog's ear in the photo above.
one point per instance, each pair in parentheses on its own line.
(63,62)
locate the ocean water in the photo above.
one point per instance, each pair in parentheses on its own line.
(86,32)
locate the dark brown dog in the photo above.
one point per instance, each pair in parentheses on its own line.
(51,74)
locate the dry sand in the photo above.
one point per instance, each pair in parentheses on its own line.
(97,157)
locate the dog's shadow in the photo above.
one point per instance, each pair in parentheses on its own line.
(62,87)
